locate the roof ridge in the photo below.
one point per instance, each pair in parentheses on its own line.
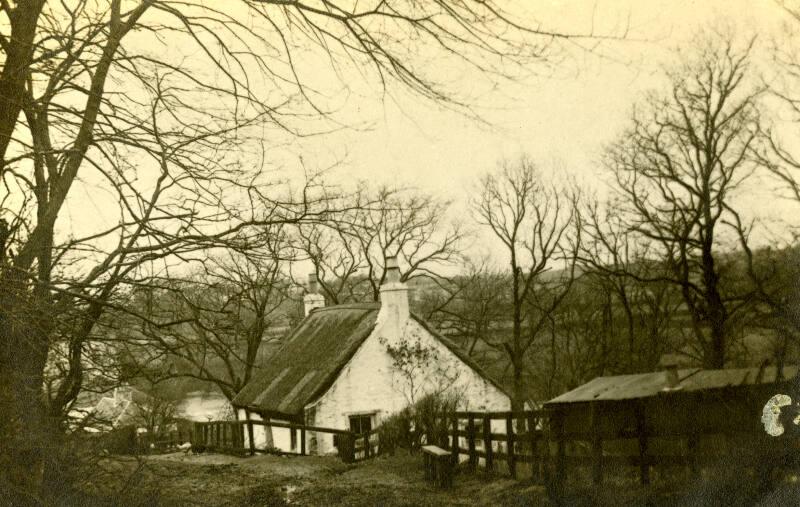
(346,306)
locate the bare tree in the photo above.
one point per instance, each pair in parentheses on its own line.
(619,268)
(104,106)
(349,256)
(224,315)
(154,413)
(472,306)
(538,225)
(677,168)
(772,269)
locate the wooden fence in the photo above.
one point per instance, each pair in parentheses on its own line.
(521,439)
(237,437)
(644,449)
(529,444)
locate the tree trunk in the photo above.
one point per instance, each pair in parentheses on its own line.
(24,427)
(715,309)
(518,396)
(24,18)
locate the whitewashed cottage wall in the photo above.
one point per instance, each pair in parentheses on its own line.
(369,384)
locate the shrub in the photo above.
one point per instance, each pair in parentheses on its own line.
(426,421)
(395,432)
(433,414)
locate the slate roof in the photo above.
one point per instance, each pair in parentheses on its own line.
(643,385)
(314,354)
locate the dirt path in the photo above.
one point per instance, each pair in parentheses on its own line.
(214,479)
(219,480)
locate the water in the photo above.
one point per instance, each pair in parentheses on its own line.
(203,406)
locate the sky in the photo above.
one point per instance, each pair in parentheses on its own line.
(561,119)
(562,115)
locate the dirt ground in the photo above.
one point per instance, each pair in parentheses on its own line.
(213,479)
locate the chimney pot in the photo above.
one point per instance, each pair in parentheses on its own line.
(392,269)
(313,299)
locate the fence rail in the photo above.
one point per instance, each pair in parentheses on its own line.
(237,437)
(522,440)
(532,444)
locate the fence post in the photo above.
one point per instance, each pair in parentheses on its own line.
(557,422)
(487,443)
(691,450)
(597,446)
(302,440)
(347,443)
(532,440)
(473,457)
(237,431)
(512,458)
(250,438)
(454,447)
(641,432)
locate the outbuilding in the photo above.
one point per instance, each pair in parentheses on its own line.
(677,416)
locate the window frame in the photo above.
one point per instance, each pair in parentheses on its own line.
(361,416)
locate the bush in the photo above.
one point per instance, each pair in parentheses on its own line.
(425,422)
(121,440)
(395,432)
(433,415)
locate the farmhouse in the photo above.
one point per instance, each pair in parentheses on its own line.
(349,366)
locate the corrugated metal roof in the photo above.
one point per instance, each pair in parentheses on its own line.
(643,385)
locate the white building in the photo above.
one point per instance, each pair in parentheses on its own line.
(343,368)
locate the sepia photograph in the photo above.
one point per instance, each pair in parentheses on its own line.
(399,253)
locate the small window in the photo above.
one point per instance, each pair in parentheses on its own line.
(361,423)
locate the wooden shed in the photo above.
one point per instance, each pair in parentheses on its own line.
(676,416)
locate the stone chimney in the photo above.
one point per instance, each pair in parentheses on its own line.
(313,299)
(394,301)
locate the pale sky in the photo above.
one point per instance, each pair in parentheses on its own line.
(562,118)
